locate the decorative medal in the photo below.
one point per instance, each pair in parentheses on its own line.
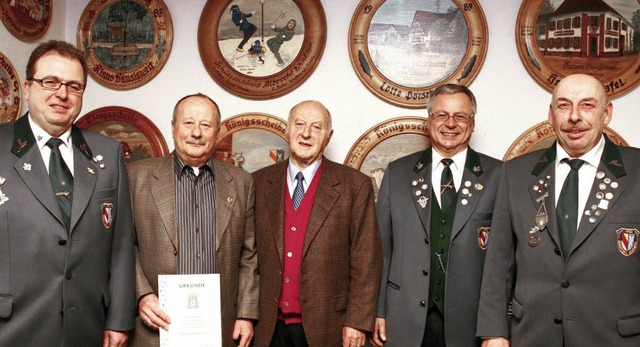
(534,240)
(541,220)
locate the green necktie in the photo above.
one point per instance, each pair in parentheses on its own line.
(61,180)
(567,209)
(447,187)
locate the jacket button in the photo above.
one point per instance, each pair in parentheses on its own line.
(557,320)
(425,272)
(557,251)
(423,303)
(443,222)
(69,275)
(62,242)
(565,284)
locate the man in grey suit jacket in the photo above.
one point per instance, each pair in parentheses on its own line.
(66,247)
(433,254)
(193,215)
(544,285)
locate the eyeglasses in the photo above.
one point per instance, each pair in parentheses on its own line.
(51,83)
(457,117)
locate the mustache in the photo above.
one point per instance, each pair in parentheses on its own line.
(576,127)
(195,142)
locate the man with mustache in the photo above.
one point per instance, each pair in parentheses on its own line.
(562,265)
(194,215)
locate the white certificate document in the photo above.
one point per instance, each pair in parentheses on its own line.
(193,304)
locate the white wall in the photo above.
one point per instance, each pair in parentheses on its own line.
(510,101)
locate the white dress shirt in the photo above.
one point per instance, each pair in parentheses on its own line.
(586,174)
(457,169)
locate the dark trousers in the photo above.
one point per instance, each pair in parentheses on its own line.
(247,35)
(288,335)
(434,331)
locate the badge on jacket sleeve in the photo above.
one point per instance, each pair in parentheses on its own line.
(627,240)
(107,214)
(483,237)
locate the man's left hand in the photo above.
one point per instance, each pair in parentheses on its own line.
(243,330)
(352,337)
(114,338)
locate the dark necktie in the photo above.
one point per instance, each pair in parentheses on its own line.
(567,209)
(298,192)
(61,180)
(447,187)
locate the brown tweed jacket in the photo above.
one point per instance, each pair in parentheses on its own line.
(152,183)
(342,255)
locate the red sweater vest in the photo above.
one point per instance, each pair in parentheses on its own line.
(295,228)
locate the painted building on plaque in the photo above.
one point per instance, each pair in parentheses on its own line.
(585,28)
(439,31)
(384,33)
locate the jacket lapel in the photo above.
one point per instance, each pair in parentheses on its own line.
(30,166)
(421,190)
(326,197)
(85,175)
(164,196)
(276,191)
(225,200)
(605,191)
(31,169)
(542,192)
(469,192)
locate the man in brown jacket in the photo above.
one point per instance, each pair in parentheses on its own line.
(194,214)
(318,243)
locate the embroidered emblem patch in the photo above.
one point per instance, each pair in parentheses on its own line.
(107,214)
(483,237)
(627,240)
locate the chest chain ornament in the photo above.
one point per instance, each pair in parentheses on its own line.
(542,217)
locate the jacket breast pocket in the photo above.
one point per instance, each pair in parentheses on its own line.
(105,194)
(482,216)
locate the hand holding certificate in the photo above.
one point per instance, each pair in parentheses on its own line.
(193,303)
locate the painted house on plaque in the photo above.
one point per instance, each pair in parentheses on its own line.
(387,33)
(585,28)
(435,31)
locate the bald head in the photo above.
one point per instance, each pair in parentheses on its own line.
(309,131)
(583,82)
(578,113)
(317,105)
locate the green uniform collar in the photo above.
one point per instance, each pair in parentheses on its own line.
(472,163)
(610,158)
(23,138)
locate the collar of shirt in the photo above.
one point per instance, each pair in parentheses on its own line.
(309,173)
(457,168)
(180,168)
(66,150)
(586,174)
